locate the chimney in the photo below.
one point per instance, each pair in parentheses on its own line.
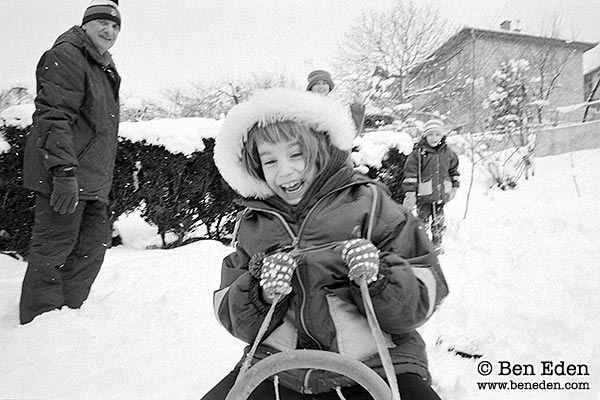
(505,25)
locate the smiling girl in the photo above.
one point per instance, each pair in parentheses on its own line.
(302,244)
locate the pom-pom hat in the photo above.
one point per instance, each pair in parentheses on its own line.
(320,113)
(102,9)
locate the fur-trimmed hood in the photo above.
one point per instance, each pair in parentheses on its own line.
(321,113)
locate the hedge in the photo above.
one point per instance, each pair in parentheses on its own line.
(175,193)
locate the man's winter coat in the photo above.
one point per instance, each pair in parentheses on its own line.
(325,310)
(76,118)
(431,172)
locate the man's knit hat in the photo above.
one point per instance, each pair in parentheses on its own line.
(102,9)
(433,125)
(318,75)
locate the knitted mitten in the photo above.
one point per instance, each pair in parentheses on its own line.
(362,259)
(276,274)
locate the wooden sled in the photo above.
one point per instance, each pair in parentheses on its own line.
(249,378)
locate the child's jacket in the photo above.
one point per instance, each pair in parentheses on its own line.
(325,311)
(431,172)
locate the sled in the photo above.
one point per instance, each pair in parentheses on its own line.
(250,377)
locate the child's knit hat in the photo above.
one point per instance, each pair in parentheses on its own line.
(320,113)
(318,75)
(102,9)
(433,125)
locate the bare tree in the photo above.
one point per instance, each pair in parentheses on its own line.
(547,63)
(216,99)
(381,49)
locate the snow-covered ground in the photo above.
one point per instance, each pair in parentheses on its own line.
(523,270)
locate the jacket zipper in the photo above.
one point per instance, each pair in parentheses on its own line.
(295,250)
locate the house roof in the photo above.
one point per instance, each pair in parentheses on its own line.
(592,71)
(466,33)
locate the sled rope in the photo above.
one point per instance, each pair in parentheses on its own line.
(259,336)
(384,353)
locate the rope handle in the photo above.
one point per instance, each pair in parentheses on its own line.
(259,336)
(376,331)
(382,349)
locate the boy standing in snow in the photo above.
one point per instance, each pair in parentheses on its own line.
(313,228)
(319,81)
(69,161)
(431,178)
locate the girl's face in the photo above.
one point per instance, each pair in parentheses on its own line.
(434,138)
(285,170)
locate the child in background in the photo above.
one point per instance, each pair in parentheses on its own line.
(431,179)
(319,81)
(287,153)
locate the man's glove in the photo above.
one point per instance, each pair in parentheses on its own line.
(362,259)
(65,194)
(410,200)
(276,274)
(452,193)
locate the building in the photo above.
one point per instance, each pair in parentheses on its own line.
(591,83)
(466,62)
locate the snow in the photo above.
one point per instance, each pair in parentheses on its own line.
(574,107)
(522,269)
(19,116)
(183,135)
(373,146)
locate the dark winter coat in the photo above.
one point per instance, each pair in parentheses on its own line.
(431,172)
(325,311)
(76,118)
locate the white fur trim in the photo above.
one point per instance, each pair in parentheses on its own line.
(321,113)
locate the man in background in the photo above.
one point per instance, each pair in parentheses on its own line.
(69,162)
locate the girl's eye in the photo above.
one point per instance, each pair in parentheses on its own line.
(268,162)
(297,154)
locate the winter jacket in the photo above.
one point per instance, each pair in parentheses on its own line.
(431,172)
(325,311)
(76,118)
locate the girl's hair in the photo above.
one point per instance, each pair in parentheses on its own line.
(315,145)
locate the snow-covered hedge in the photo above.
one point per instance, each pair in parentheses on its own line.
(163,167)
